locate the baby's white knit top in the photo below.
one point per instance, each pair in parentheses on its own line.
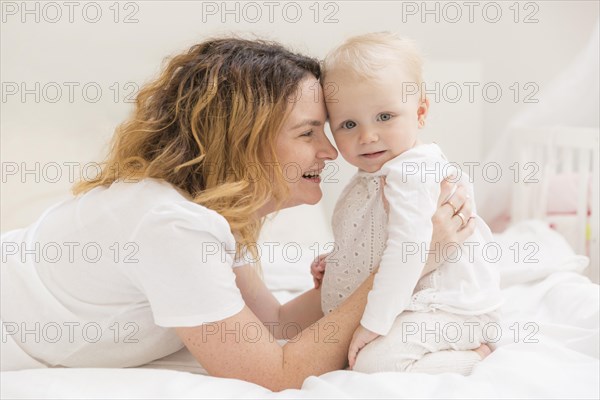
(398,240)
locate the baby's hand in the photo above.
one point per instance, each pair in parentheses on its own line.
(362,336)
(317,269)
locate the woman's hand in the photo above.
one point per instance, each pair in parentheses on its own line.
(453,223)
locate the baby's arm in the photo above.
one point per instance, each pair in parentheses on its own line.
(411,206)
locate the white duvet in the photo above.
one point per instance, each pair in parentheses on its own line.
(548,347)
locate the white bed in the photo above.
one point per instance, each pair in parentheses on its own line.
(549,338)
(550,301)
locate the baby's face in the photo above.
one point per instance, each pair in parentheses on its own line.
(371,120)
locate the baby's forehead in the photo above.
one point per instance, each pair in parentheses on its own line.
(384,74)
(388,84)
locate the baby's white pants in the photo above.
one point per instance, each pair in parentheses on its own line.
(429,342)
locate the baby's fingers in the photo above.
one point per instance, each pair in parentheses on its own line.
(317,282)
(355,346)
(314,269)
(352,352)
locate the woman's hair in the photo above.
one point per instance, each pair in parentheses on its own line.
(365,54)
(208,125)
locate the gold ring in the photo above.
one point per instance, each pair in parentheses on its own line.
(454,210)
(462,218)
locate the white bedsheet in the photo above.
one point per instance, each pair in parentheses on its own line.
(561,305)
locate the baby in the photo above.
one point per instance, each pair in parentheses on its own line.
(383,218)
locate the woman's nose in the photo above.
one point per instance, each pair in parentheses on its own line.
(326,150)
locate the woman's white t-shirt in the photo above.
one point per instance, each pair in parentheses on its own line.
(101,279)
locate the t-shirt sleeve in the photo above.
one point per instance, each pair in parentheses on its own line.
(184,268)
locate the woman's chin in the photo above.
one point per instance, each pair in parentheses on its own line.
(306,199)
(314,201)
(315,197)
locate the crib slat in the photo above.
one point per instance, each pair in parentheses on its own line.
(583,174)
(567,161)
(594,242)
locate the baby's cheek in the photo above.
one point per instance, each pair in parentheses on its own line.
(342,145)
(346,152)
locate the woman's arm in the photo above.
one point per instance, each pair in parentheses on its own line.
(242,347)
(300,312)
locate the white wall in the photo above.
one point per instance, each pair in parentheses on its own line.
(109,52)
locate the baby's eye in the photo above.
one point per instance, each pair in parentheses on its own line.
(348,124)
(384,117)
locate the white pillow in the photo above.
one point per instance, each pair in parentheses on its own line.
(532,251)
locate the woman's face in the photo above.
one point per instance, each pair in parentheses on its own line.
(302,147)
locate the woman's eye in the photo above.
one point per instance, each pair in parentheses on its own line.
(309,133)
(348,124)
(385,116)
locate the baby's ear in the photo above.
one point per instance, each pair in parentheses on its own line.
(423,107)
(422,111)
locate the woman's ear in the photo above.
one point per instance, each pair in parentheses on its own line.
(422,111)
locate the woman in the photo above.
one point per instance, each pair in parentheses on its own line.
(165,219)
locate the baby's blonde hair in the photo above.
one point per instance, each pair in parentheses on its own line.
(363,55)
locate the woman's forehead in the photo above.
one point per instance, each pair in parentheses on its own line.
(308,104)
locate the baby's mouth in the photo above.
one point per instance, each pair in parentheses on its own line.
(373,155)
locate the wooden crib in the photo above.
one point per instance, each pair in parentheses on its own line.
(558,182)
